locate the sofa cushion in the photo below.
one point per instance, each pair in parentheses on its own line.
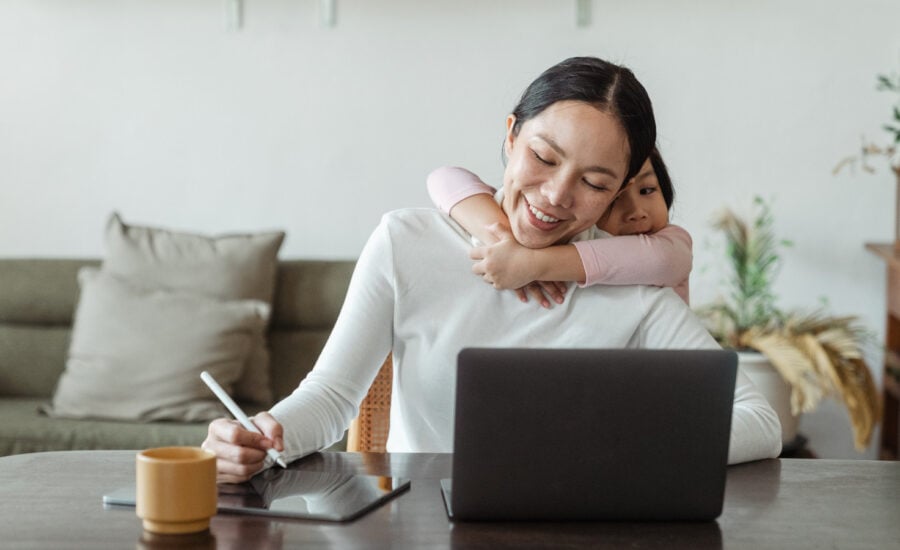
(25,431)
(137,354)
(226,267)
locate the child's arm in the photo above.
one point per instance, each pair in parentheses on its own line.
(508,264)
(470,202)
(661,259)
(450,187)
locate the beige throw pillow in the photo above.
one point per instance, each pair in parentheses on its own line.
(137,354)
(226,267)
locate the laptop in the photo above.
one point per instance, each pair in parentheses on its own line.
(582,434)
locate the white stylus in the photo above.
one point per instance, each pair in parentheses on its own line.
(239,414)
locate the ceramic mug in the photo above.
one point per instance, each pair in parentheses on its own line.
(176,489)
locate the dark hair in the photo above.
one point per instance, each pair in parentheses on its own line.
(611,88)
(662,176)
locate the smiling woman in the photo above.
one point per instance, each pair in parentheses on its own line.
(581,130)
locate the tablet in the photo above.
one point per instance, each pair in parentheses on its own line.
(297,494)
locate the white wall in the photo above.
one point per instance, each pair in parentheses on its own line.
(156,109)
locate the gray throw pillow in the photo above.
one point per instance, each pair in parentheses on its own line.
(225,267)
(137,354)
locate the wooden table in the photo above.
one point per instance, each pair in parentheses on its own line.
(53,500)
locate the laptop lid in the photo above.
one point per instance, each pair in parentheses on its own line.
(578,434)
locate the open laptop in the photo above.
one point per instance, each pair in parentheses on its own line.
(578,434)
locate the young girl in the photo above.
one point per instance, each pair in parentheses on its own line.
(642,247)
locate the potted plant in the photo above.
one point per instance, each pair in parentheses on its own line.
(811,355)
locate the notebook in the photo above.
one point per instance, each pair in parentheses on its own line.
(578,434)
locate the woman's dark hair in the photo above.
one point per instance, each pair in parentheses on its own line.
(610,88)
(662,176)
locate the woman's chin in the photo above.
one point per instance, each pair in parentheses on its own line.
(533,238)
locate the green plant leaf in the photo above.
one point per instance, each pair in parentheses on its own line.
(754,260)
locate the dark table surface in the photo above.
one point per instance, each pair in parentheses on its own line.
(53,500)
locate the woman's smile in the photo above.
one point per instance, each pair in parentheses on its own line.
(540,218)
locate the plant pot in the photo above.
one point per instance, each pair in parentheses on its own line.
(774,388)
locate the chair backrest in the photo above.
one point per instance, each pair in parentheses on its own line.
(369,431)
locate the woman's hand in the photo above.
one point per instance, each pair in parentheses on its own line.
(240,453)
(509,265)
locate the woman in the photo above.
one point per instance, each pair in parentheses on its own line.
(581,129)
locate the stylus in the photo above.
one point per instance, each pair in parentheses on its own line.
(239,414)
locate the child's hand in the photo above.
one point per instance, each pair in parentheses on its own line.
(509,265)
(506,264)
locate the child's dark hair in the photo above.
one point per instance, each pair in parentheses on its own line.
(662,176)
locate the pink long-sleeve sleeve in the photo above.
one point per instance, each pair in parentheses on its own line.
(449,184)
(661,259)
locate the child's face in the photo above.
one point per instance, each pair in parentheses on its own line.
(640,208)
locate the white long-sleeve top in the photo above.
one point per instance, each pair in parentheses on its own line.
(413,293)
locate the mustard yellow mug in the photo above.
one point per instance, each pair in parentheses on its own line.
(176,489)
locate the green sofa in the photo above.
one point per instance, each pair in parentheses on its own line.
(37,304)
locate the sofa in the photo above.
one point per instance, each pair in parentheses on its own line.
(38,299)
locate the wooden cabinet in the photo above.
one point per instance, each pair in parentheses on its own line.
(890,427)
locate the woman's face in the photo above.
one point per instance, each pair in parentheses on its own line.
(564,168)
(640,208)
